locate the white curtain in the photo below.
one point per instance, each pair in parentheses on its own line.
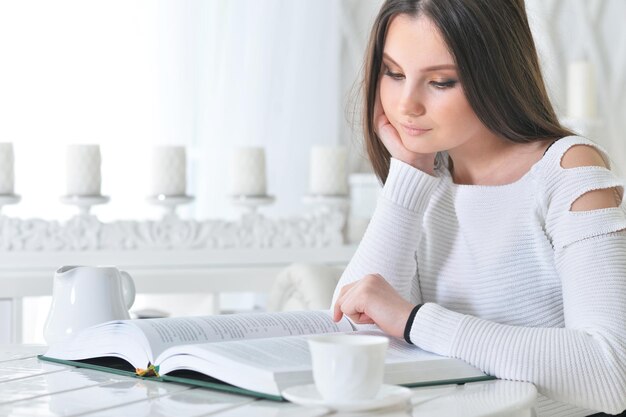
(78,72)
(128,74)
(269,77)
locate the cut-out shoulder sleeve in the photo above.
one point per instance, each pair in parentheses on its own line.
(584,155)
(570,175)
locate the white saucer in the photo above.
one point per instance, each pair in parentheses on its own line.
(387,396)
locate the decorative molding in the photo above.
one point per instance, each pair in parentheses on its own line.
(321,228)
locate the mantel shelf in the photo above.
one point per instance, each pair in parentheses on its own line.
(320,228)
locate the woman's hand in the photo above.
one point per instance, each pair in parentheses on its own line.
(371,300)
(390,137)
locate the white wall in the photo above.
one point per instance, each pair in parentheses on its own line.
(568,30)
(357,17)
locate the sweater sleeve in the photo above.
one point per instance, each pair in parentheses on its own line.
(390,241)
(584,363)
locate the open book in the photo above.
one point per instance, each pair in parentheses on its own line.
(258,354)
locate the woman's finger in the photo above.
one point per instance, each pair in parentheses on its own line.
(353,306)
(361,318)
(337,313)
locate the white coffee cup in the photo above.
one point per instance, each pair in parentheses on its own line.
(348,367)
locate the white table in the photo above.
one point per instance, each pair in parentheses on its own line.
(29,387)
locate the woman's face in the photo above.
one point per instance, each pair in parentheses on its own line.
(420,90)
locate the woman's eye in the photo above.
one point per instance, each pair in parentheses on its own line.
(442,85)
(394,75)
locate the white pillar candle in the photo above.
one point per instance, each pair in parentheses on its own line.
(581,92)
(7,173)
(328,174)
(247,170)
(169,171)
(82,170)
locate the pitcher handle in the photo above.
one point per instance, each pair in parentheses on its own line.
(128,289)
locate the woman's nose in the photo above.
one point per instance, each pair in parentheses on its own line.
(411,103)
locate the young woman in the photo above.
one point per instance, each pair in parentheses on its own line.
(499,237)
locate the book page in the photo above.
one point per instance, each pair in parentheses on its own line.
(114,338)
(287,361)
(276,354)
(292,353)
(165,333)
(271,364)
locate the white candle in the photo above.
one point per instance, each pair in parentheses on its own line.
(248,172)
(82,170)
(328,174)
(169,171)
(7,173)
(581,92)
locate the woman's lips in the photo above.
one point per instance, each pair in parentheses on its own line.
(414,131)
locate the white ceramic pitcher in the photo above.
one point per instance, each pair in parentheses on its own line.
(86,295)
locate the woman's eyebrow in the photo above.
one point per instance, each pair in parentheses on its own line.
(439,67)
(431,68)
(387,57)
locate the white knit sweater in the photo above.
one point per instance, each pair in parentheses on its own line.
(512,281)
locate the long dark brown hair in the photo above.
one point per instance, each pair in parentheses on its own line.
(497,63)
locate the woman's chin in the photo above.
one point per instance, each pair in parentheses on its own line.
(422,146)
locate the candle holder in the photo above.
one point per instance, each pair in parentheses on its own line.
(8,199)
(170,202)
(252,202)
(84,202)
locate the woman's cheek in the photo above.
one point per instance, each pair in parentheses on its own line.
(386,96)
